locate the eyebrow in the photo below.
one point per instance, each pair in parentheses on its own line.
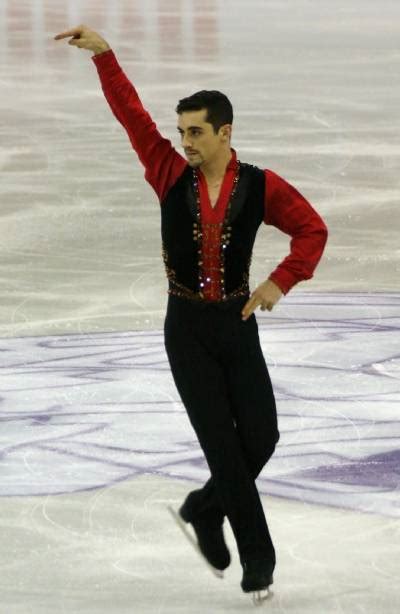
(190,128)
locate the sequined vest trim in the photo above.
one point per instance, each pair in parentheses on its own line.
(182,231)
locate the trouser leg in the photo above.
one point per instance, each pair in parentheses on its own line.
(194,341)
(254,409)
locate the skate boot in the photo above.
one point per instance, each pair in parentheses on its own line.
(257,577)
(209,542)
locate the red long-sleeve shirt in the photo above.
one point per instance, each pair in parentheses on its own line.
(285,208)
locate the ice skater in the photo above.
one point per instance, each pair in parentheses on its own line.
(211,208)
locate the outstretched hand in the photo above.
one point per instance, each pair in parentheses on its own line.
(85,38)
(266,294)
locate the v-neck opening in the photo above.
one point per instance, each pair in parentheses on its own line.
(216,213)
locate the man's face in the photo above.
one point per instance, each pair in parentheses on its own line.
(198,138)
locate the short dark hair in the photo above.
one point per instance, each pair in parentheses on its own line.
(219,108)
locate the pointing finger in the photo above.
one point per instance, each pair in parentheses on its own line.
(73,32)
(250,306)
(252,302)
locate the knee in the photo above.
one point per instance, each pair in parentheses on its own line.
(273,443)
(265,454)
(270,449)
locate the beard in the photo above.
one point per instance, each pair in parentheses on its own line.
(194,163)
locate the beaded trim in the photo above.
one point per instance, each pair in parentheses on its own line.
(181,290)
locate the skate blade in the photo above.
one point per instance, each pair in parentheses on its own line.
(258,597)
(182,525)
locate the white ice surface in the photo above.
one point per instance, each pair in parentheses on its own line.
(88,405)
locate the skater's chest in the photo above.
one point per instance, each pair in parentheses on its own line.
(213,192)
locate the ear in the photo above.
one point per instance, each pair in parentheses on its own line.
(226,132)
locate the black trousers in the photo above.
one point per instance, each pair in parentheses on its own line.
(222,378)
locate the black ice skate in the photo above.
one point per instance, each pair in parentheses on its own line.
(257,577)
(210,542)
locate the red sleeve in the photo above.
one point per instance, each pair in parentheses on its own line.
(163,164)
(288,210)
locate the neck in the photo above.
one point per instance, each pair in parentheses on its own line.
(214,169)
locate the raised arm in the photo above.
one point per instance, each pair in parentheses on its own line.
(163,164)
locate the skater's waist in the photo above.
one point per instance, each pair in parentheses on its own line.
(207,304)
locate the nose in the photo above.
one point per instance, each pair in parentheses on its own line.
(186,141)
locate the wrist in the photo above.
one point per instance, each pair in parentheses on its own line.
(101,49)
(271,281)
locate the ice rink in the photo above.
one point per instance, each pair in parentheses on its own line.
(95,441)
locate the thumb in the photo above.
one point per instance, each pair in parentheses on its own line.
(77,42)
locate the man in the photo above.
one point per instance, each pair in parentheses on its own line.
(211,208)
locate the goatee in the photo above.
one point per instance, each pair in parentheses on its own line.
(194,164)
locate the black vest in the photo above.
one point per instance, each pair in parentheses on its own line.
(181,234)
